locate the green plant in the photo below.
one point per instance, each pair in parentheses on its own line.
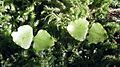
(58,33)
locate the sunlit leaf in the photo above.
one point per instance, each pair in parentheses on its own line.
(97,33)
(78,29)
(42,40)
(23,37)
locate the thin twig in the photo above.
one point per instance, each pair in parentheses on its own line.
(114,10)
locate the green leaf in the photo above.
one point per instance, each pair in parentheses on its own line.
(97,34)
(113,27)
(23,37)
(42,40)
(78,29)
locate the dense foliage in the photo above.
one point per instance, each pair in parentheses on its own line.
(59,33)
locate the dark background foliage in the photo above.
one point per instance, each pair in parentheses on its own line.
(54,16)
